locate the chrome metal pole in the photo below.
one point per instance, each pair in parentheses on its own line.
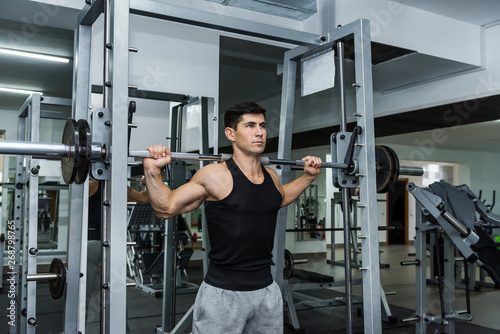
(104,188)
(34,148)
(41,277)
(411,171)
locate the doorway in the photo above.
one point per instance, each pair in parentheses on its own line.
(397,213)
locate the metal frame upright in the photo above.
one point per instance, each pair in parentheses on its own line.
(423,319)
(359,32)
(29,130)
(26,211)
(115,98)
(74,312)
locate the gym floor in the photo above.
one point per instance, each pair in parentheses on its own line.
(144,310)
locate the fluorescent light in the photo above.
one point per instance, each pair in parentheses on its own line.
(19,91)
(34,55)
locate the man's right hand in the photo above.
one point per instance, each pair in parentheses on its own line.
(160,156)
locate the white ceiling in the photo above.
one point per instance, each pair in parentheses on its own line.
(55,36)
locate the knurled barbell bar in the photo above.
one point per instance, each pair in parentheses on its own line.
(56,278)
(77,152)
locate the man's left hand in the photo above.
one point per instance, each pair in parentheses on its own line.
(312,166)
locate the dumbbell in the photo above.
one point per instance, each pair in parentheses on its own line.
(56,277)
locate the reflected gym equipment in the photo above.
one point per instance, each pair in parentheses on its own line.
(56,277)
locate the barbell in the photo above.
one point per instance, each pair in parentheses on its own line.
(290,263)
(77,152)
(56,277)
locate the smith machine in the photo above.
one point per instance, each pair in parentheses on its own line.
(356,150)
(101,153)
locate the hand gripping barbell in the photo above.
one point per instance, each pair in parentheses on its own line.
(56,278)
(77,152)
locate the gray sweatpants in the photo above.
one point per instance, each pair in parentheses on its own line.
(218,311)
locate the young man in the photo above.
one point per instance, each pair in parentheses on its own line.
(242,199)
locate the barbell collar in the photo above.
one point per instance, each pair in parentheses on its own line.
(98,152)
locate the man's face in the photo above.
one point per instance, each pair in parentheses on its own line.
(250,134)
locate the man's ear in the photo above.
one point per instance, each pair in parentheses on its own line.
(229,133)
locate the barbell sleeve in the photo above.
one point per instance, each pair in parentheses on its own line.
(41,277)
(411,319)
(34,148)
(410,263)
(411,171)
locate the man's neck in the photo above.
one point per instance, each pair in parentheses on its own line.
(249,164)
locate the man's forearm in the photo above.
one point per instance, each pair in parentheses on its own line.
(158,192)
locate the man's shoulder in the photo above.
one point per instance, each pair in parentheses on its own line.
(216,179)
(213,169)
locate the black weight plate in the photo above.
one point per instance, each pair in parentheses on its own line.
(395,168)
(85,151)
(288,268)
(56,286)
(384,168)
(131,110)
(69,162)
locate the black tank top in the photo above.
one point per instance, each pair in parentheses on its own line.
(241,231)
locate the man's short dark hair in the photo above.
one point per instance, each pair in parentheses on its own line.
(233,115)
